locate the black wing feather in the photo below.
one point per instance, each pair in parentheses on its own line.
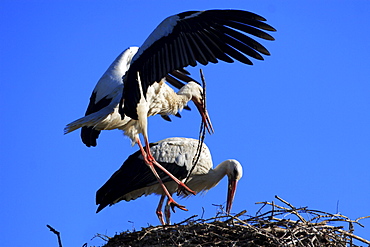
(198,37)
(89,135)
(134,174)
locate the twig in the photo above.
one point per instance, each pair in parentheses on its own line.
(365,217)
(202,132)
(182,222)
(203,211)
(102,236)
(354,236)
(56,233)
(236,216)
(293,208)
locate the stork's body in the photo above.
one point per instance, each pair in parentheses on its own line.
(102,112)
(133,179)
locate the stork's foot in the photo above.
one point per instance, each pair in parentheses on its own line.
(173,204)
(183,189)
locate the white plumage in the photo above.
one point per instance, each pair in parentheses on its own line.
(134,179)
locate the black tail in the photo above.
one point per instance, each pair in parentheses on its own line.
(89,136)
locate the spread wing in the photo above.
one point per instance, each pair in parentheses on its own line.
(191,37)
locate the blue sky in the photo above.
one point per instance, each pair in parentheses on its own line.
(299,122)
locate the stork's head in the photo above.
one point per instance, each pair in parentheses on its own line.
(234,173)
(197,97)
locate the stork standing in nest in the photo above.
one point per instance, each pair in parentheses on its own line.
(134,180)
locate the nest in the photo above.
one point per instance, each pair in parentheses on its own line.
(269,228)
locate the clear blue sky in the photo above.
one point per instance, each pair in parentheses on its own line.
(299,122)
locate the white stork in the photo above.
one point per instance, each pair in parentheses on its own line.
(179,41)
(102,111)
(134,179)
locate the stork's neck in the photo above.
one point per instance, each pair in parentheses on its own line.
(204,182)
(222,169)
(165,101)
(188,92)
(214,176)
(184,96)
(190,89)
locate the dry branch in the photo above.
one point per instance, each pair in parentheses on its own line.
(202,132)
(56,233)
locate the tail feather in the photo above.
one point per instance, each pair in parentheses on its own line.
(89,136)
(90,120)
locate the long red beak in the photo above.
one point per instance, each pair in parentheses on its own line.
(230,194)
(205,117)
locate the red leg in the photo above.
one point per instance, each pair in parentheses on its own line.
(159,210)
(152,160)
(150,164)
(167,213)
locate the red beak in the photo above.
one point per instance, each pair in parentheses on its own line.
(205,117)
(230,194)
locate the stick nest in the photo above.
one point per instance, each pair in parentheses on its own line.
(277,226)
